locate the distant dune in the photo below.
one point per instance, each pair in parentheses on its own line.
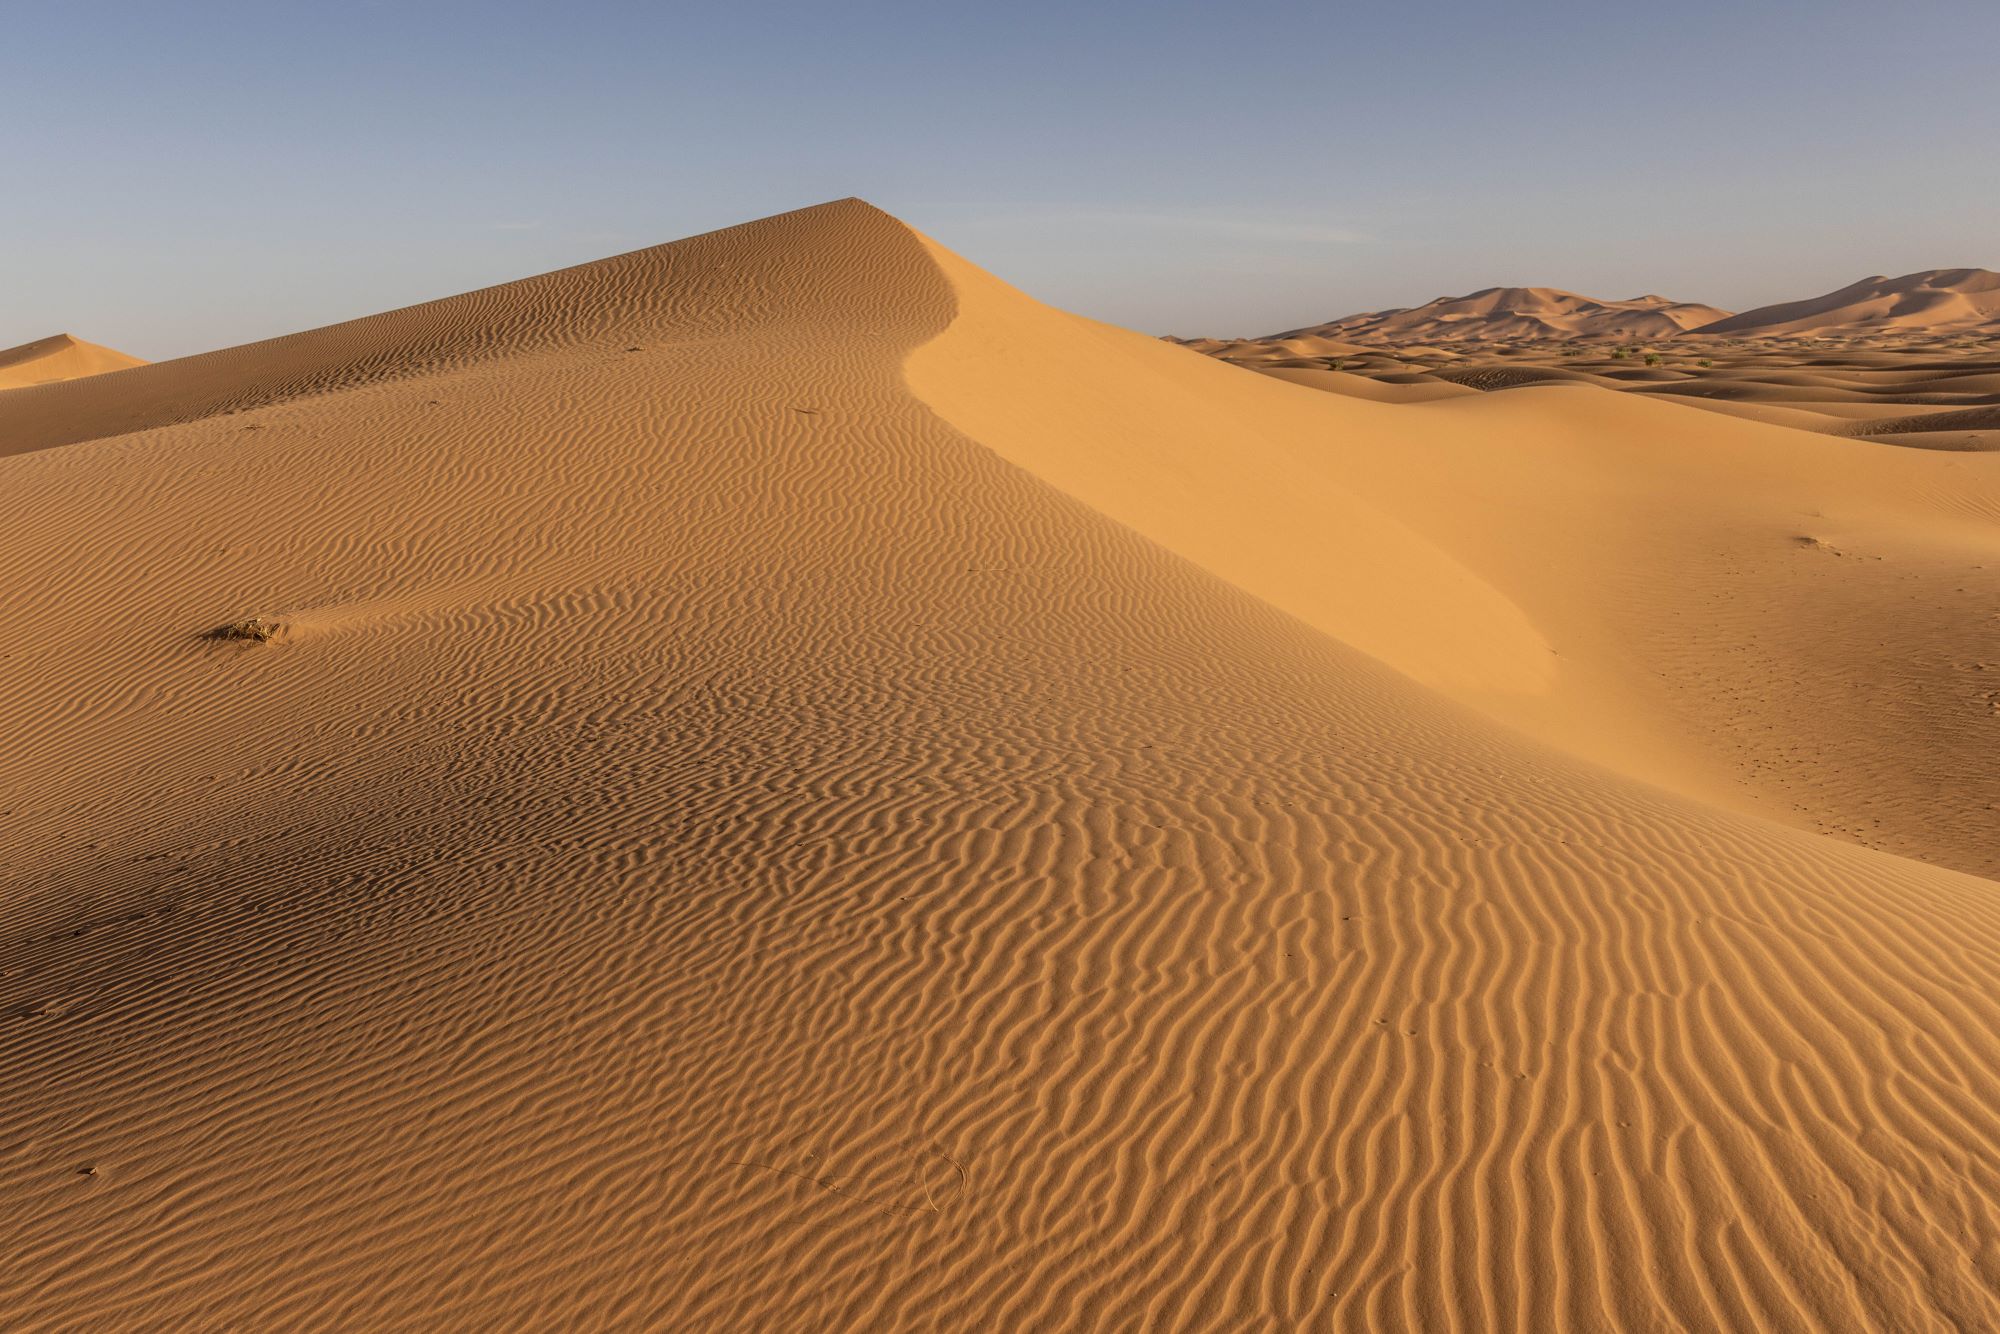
(58,357)
(1933,301)
(774,782)
(1516,313)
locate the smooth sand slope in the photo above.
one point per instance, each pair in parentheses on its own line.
(796,788)
(58,357)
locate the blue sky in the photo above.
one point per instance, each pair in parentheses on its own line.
(180,177)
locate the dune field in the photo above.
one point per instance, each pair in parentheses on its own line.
(774,782)
(1926,393)
(1506,313)
(1915,359)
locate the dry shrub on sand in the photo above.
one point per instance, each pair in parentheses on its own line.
(252,629)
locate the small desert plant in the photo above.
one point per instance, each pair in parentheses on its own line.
(1652,358)
(1618,354)
(254,629)
(1706,363)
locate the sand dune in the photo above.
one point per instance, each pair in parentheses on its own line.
(1929,302)
(784,785)
(58,357)
(1510,313)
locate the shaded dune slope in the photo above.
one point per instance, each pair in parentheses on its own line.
(720,842)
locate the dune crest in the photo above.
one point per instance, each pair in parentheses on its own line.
(779,810)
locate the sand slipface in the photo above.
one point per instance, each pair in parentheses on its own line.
(800,789)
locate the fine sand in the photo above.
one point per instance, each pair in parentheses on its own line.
(775,783)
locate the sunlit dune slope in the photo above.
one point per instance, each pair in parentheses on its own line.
(1803,627)
(733,831)
(58,357)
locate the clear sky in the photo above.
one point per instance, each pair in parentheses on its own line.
(177,177)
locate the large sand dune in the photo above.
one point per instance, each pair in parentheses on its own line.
(793,787)
(56,358)
(1927,302)
(1929,392)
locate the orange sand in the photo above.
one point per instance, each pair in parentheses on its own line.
(796,788)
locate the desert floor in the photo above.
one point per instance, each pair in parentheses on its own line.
(776,783)
(1930,392)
